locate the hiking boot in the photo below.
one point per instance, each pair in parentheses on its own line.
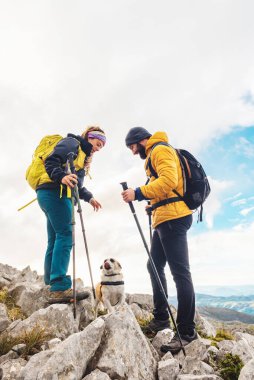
(174,345)
(156,325)
(66,296)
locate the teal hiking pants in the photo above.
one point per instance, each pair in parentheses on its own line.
(58,212)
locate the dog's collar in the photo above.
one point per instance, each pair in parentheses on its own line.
(109,275)
(112,283)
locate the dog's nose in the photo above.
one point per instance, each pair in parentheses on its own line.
(106,265)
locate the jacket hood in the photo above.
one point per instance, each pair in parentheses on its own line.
(85,145)
(155,138)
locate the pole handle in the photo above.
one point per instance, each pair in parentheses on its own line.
(125,187)
(71,163)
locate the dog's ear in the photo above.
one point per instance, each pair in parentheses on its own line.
(101,267)
(119,265)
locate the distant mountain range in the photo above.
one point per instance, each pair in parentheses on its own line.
(225,315)
(240,304)
(221,291)
(226,291)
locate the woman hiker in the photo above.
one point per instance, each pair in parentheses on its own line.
(54,201)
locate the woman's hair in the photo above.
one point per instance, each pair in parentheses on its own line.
(91,129)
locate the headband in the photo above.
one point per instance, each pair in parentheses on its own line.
(97,135)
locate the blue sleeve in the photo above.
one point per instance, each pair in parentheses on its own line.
(56,161)
(139,195)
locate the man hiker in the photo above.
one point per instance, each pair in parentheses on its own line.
(171,222)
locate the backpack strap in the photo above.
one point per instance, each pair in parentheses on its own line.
(154,174)
(149,163)
(164,202)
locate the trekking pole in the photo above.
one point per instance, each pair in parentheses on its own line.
(79,210)
(149,213)
(73,222)
(125,187)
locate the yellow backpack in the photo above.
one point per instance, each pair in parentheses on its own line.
(36,172)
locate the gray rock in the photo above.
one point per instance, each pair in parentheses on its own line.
(69,359)
(4,319)
(97,375)
(141,313)
(19,348)
(168,369)
(52,343)
(167,356)
(242,347)
(124,352)
(85,311)
(155,354)
(199,377)
(4,282)
(197,348)
(30,297)
(7,275)
(145,301)
(247,372)
(29,276)
(8,356)
(162,337)
(243,350)
(210,357)
(247,337)
(192,365)
(10,369)
(57,320)
(226,345)
(205,327)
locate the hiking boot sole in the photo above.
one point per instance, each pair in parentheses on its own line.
(68,299)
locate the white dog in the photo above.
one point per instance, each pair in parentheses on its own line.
(110,291)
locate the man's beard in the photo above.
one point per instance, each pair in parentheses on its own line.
(141,151)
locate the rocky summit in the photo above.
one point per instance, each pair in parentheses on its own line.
(39,341)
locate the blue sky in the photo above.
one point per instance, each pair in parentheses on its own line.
(230,158)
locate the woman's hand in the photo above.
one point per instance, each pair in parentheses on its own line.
(70,180)
(96,205)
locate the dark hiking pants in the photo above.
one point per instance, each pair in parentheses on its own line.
(169,245)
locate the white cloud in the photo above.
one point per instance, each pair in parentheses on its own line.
(233,197)
(246,211)
(239,202)
(245,147)
(214,202)
(223,257)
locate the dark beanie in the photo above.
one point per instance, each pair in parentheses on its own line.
(136,134)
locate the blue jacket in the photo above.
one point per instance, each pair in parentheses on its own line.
(55,164)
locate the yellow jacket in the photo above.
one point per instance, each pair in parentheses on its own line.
(166,164)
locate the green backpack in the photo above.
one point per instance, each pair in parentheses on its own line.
(36,173)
